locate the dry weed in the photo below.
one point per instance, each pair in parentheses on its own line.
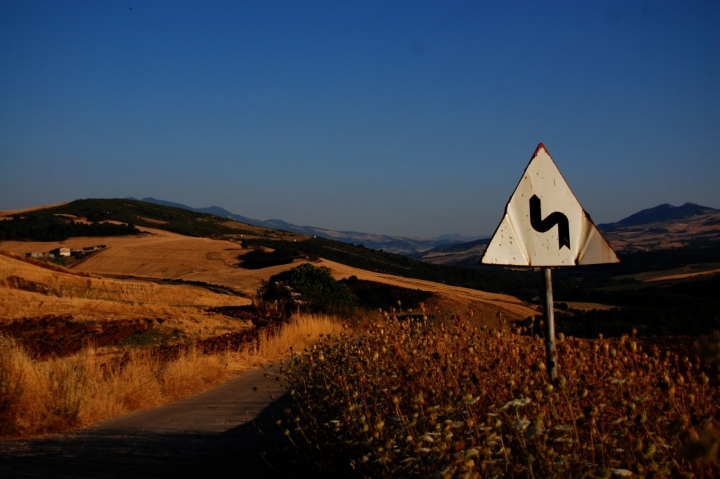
(14,271)
(412,399)
(56,395)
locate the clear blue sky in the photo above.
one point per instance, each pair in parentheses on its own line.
(407,118)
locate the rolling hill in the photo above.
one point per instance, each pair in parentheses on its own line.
(195,248)
(178,244)
(394,244)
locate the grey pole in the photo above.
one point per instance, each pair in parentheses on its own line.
(549,325)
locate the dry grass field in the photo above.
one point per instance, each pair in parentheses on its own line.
(62,393)
(4,213)
(68,285)
(55,309)
(450,297)
(471,255)
(161,254)
(31,291)
(666,234)
(685,272)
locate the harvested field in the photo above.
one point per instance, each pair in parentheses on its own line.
(451,297)
(28,210)
(191,321)
(166,255)
(582,306)
(34,291)
(22,275)
(667,234)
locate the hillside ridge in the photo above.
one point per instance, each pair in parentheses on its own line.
(663,212)
(394,244)
(663,226)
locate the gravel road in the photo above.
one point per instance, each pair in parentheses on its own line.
(212,434)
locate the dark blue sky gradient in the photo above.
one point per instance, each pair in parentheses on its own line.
(408,118)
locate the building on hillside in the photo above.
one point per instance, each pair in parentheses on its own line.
(59,252)
(34,255)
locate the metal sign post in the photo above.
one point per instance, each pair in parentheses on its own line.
(550,351)
(565,237)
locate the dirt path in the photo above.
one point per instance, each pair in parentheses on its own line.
(211,434)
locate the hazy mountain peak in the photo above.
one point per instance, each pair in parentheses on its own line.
(663,212)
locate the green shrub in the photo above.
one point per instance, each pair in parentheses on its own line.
(310,288)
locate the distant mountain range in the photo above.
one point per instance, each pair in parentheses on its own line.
(663,226)
(396,244)
(665,212)
(649,228)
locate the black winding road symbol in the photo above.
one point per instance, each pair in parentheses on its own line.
(544,225)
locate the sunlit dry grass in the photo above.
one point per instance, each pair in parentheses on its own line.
(38,397)
(422,400)
(66,285)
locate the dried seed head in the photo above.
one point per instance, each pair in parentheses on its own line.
(708,347)
(703,446)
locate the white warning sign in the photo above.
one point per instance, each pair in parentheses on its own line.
(544,224)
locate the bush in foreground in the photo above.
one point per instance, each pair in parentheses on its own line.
(416,400)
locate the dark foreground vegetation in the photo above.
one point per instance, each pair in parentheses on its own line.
(371,295)
(419,399)
(683,308)
(259,258)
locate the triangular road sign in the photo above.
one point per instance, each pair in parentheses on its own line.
(544,224)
